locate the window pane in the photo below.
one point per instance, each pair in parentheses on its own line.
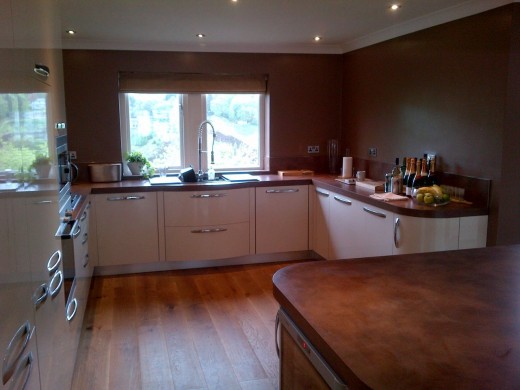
(154,127)
(23,132)
(236,118)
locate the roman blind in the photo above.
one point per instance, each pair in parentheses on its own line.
(142,82)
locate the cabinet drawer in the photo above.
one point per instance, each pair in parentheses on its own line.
(207,242)
(194,208)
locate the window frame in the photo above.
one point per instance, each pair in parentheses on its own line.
(192,113)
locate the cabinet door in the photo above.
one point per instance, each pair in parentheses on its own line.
(417,235)
(321,227)
(282,219)
(473,232)
(17,339)
(127,231)
(376,225)
(346,228)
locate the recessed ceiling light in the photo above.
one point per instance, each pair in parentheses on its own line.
(70,32)
(395,7)
(317,38)
(201,35)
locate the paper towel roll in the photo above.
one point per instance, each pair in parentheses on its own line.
(346,170)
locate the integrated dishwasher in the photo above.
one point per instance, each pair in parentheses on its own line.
(301,366)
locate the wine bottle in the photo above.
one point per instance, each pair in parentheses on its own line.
(403,167)
(411,176)
(406,174)
(420,176)
(432,176)
(397,178)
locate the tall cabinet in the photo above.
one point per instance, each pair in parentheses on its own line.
(33,328)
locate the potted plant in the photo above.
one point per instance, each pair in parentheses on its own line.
(139,164)
(42,166)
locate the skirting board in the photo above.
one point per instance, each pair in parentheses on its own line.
(177,265)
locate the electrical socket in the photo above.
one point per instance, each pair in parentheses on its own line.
(72,155)
(313,149)
(372,152)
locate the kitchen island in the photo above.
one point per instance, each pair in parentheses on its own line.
(435,320)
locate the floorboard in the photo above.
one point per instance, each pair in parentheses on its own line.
(192,329)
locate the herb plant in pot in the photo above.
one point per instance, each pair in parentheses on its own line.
(139,164)
(42,166)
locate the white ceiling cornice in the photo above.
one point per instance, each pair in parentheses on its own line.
(460,11)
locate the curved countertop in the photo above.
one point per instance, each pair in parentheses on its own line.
(403,207)
(447,320)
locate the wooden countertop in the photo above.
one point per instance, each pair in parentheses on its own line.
(407,207)
(444,320)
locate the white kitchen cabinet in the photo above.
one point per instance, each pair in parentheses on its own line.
(207,225)
(473,232)
(321,222)
(282,219)
(346,235)
(17,337)
(417,235)
(127,228)
(357,229)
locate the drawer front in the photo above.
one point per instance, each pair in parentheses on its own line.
(202,208)
(207,242)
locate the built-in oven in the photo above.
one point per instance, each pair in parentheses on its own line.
(66,173)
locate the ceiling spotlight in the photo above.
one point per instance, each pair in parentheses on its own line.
(317,38)
(70,32)
(395,7)
(201,35)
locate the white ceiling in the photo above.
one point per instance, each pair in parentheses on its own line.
(262,26)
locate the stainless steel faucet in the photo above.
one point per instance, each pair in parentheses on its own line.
(200,173)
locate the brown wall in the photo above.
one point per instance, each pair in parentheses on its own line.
(304,96)
(453,89)
(443,90)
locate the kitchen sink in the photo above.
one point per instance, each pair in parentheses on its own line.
(225,179)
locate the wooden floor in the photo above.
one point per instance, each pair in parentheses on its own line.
(191,329)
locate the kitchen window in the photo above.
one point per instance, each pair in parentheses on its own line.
(161,116)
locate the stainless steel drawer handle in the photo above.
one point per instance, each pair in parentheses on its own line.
(15,349)
(24,368)
(72,307)
(323,193)
(85,239)
(203,196)
(86,261)
(40,294)
(396,227)
(343,200)
(284,191)
(373,212)
(44,202)
(214,230)
(76,231)
(129,197)
(55,284)
(54,261)
(83,216)
(277,332)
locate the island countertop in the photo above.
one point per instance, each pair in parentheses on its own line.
(447,320)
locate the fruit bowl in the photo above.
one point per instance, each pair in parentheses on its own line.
(431,201)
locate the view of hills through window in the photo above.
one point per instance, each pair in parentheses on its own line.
(23,132)
(155,129)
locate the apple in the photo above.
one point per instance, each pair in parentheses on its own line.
(429,198)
